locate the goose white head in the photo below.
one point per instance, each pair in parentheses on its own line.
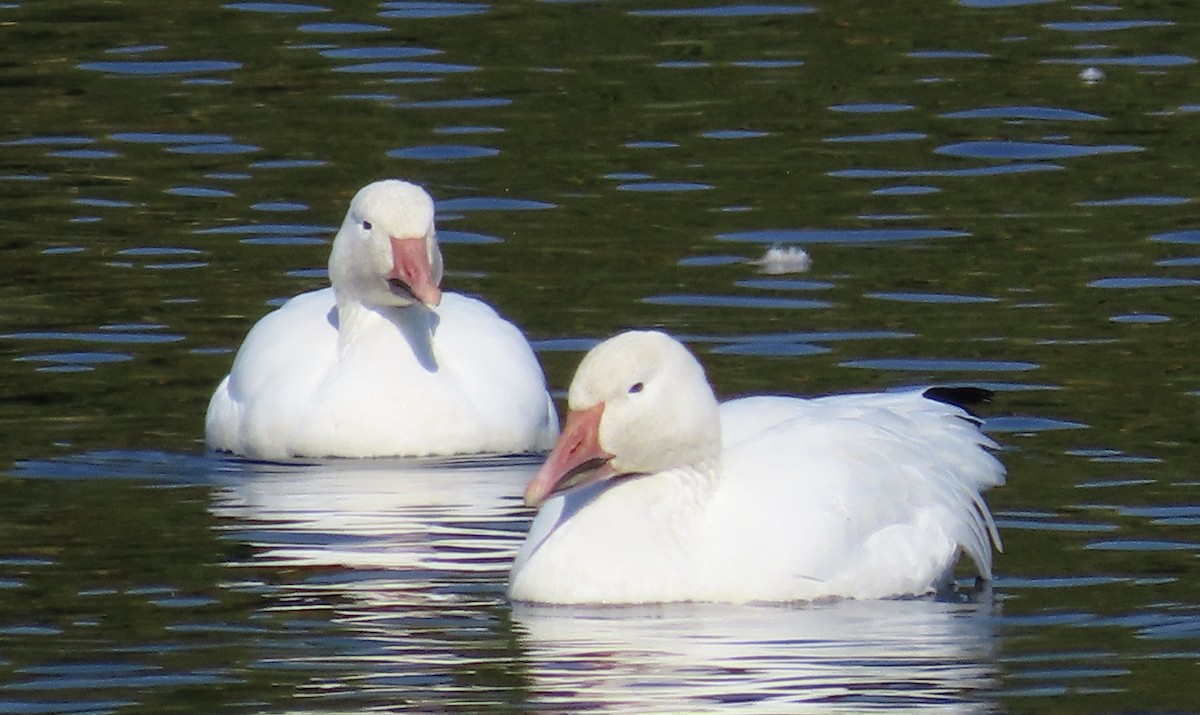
(639,404)
(386,252)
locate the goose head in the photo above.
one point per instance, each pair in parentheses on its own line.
(638,404)
(386,251)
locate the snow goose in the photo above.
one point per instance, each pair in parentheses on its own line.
(656,493)
(382,363)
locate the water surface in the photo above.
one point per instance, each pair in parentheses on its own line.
(993,192)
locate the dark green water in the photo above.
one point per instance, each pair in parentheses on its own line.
(976,210)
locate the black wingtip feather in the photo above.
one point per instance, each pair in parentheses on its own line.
(963,398)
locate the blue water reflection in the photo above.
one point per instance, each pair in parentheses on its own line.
(851,237)
(160,68)
(1155,61)
(727,11)
(343,28)
(736,301)
(443,152)
(878,137)
(426,10)
(1186,236)
(277,8)
(871,108)
(971,172)
(1019,112)
(1023,151)
(406,66)
(378,53)
(1149,200)
(1105,25)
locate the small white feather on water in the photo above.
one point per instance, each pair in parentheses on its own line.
(1091,75)
(783,259)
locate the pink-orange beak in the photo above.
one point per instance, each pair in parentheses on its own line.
(411,271)
(576,460)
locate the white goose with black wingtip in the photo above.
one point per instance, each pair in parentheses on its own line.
(382,363)
(656,493)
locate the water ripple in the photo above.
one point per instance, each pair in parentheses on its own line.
(51,140)
(783,284)
(1105,25)
(169,138)
(84,154)
(799,337)
(905,190)
(288,164)
(200,192)
(442,152)
(664,186)
(117,337)
(214,148)
(487,203)
(1141,545)
(1163,60)
(134,49)
(736,301)
(648,144)
(279,206)
(972,172)
(1029,150)
(148,679)
(941,365)
(102,203)
(947,55)
(1025,424)
(871,107)
(849,236)
(460,130)
(942,298)
(378,53)
(73,361)
(431,10)
(1184,236)
(1138,201)
(878,137)
(278,8)
(765,348)
(1002,3)
(269,228)
(769,64)
(727,11)
(466,237)
(1140,318)
(342,28)
(465,103)
(406,66)
(1025,112)
(1144,282)
(162,68)
(734,134)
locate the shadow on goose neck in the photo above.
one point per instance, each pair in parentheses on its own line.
(360,326)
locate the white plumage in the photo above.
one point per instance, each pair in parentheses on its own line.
(382,363)
(654,493)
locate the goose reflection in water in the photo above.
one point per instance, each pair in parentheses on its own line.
(845,656)
(447,515)
(412,559)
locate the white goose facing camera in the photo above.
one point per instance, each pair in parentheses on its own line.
(382,363)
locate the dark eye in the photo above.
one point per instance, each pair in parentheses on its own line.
(366,225)
(635,388)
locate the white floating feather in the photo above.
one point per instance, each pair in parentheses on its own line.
(783,259)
